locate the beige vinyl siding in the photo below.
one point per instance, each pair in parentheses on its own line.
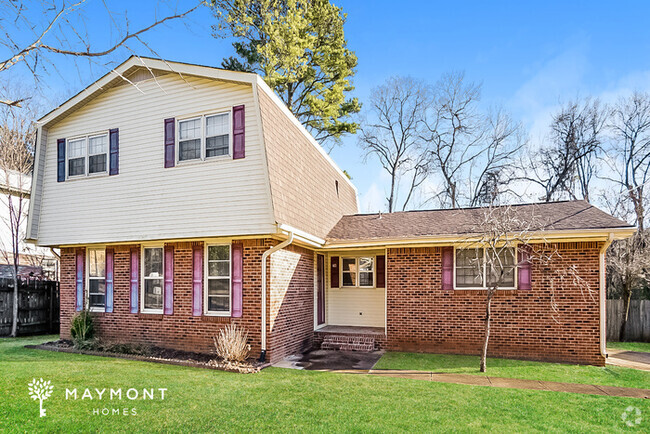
(146,201)
(37,184)
(354,306)
(303,181)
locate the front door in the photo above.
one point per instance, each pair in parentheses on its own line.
(320,284)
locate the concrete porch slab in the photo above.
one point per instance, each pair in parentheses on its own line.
(331,360)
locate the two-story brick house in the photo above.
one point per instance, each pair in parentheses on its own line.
(185,197)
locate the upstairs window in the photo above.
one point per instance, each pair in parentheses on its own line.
(97,153)
(204,137)
(217,135)
(87,155)
(96,279)
(76,157)
(189,139)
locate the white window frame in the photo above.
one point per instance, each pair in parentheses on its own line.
(143,278)
(484,287)
(356,264)
(86,138)
(208,278)
(88,279)
(203,138)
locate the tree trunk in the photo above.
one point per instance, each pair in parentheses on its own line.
(627,297)
(488,308)
(14,315)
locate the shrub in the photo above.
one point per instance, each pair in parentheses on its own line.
(82,330)
(231,344)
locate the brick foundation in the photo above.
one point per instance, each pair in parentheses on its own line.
(422,317)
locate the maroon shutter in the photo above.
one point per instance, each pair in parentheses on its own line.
(79,279)
(60,160)
(170,142)
(320,282)
(380,266)
(238,132)
(108,307)
(447,268)
(523,269)
(197,280)
(334,272)
(135,265)
(168,300)
(114,139)
(237,279)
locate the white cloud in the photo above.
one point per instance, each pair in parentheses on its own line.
(372,200)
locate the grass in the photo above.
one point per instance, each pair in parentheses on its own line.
(199,400)
(605,376)
(643,347)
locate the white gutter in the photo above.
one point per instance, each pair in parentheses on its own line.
(603,297)
(265,255)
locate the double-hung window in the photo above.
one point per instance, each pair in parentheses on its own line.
(218,293)
(153,276)
(480,268)
(204,137)
(87,155)
(189,139)
(358,272)
(96,279)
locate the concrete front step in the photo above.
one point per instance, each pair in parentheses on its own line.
(348,343)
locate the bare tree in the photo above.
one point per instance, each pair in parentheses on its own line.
(630,157)
(392,131)
(567,166)
(490,175)
(470,150)
(498,237)
(17,136)
(34,31)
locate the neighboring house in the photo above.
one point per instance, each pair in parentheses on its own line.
(189,197)
(34,262)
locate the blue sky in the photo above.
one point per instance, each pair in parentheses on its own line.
(529,58)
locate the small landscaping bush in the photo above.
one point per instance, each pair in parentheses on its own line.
(82,330)
(231,344)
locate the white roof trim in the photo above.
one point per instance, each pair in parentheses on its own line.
(147,62)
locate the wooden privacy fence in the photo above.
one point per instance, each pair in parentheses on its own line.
(38,306)
(638,322)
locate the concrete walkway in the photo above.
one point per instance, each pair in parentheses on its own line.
(629,359)
(513,383)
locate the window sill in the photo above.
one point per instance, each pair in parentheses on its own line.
(215,319)
(202,160)
(93,176)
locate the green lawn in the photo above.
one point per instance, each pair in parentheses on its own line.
(606,376)
(200,400)
(643,347)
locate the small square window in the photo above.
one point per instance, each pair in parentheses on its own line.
(189,140)
(349,272)
(217,135)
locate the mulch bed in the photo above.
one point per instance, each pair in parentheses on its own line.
(160,355)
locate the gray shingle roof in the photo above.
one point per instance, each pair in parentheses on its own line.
(555,216)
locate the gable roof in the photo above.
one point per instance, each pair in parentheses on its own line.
(444,223)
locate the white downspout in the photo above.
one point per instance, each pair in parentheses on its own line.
(603,296)
(265,255)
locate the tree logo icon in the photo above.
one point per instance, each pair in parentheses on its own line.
(40,390)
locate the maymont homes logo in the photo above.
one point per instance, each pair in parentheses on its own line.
(41,390)
(632,416)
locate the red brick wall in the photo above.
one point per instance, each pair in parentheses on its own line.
(183,331)
(292,301)
(423,317)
